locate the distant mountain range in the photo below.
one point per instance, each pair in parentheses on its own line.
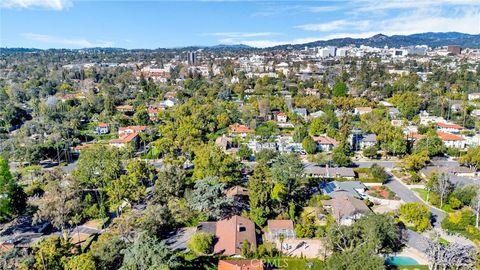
(430,39)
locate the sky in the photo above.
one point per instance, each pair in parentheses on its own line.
(167,24)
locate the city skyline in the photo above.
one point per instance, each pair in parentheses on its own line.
(167,24)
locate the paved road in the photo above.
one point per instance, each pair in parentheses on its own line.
(368,164)
(408,196)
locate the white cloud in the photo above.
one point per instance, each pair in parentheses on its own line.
(49,4)
(334,25)
(67,42)
(379,5)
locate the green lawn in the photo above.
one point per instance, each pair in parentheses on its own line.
(295,263)
(423,194)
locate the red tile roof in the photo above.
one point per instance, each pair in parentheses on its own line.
(125,139)
(102,125)
(237,128)
(446,125)
(132,128)
(324,140)
(449,137)
(240,265)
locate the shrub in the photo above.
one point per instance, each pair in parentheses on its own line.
(201,243)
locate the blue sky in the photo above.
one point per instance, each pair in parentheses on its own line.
(167,24)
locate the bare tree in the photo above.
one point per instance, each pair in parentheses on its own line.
(451,256)
(443,186)
(475,204)
(60,201)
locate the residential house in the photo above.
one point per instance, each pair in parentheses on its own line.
(325,143)
(230,234)
(475,113)
(131,129)
(124,108)
(317,171)
(362,141)
(275,228)
(239,130)
(236,191)
(240,265)
(453,170)
(281,117)
(124,140)
(223,142)
(302,112)
(426,118)
(101,128)
(362,110)
(473,96)
(316,114)
(346,209)
(259,146)
(352,188)
(449,128)
(452,140)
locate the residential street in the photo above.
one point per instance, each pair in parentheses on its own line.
(409,196)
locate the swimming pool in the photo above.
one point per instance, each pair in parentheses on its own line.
(400,260)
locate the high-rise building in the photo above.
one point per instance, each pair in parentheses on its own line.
(454,49)
(192,58)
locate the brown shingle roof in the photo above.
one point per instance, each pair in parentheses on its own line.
(280,224)
(231,233)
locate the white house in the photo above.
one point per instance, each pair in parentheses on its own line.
(102,128)
(452,140)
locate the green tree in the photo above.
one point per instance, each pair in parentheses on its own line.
(370,152)
(141,117)
(287,174)
(299,133)
(97,167)
(432,144)
(309,145)
(156,220)
(83,261)
(417,161)
(208,197)
(378,172)
(148,253)
(471,158)
(201,243)
(51,253)
(244,152)
(211,161)
(260,187)
(340,156)
(416,215)
(170,183)
(105,251)
(13,199)
(340,89)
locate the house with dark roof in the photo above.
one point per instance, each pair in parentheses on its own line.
(353,188)
(317,171)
